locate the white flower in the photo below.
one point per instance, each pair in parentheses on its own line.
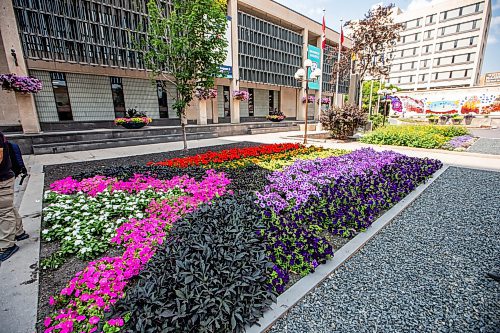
(45,231)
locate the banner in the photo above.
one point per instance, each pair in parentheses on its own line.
(227,68)
(314,54)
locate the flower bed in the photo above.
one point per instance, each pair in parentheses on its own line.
(92,291)
(427,136)
(460,143)
(214,261)
(213,158)
(340,195)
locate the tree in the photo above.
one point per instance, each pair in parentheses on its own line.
(367,87)
(185,44)
(373,39)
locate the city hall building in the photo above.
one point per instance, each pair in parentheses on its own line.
(442,45)
(84,53)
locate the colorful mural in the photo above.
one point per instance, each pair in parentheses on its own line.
(396,104)
(450,102)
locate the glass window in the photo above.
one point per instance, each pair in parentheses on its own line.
(61,96)
(118,98)
(271,101)
(251,107)
(430,19)
(423,77)
(227,99)
(162,99)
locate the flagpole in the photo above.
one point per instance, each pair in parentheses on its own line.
(338,66)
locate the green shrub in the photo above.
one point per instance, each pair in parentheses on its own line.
(343,121)
(211,276)
(427,136)
(377,120)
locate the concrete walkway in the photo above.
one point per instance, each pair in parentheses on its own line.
(19,275)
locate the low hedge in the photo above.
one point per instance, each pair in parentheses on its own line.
(211,276)
(426,136)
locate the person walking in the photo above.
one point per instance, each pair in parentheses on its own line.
(11,225)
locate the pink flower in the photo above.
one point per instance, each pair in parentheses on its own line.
(94,320)
(47,322)
(52,301)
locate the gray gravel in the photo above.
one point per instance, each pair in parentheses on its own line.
(486,146)
(423,273)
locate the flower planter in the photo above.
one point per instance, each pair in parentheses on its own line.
(456,121)
(133,125)
(275,120)
(433,121)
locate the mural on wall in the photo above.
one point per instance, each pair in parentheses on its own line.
(396,104)
(449,102)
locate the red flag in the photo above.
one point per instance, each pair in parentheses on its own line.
(323,36)
(341,36)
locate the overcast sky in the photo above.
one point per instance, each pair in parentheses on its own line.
(346,10)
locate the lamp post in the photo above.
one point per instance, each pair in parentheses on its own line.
(302,75)
(386,92)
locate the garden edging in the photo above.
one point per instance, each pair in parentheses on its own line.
(305,285)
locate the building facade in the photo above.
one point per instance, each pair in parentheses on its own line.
(85,55)
(442,45)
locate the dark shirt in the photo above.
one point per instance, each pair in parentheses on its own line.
(6,172)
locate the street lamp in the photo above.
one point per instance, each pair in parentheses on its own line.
(302,75)
(386,92)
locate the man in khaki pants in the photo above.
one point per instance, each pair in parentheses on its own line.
(11,225)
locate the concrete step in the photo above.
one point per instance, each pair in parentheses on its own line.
(274,129)
(59,147)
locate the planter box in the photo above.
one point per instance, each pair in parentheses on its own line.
(276,120)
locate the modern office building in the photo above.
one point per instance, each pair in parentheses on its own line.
(442,45)
(84,53)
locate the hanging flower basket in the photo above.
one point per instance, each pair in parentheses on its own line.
(133,123)
(204,94)
(310,99)
(325,101)
(241,95)
(21,84)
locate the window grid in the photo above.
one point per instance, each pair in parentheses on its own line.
(268,53)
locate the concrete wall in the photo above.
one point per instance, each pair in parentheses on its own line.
(141,95)
(478,100)
(288,101)
(9,113)
(44,99)
(90,97)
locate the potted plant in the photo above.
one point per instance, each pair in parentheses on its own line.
(276,116)
(20,84)
(241,95)
(325,101)
(204,94)
(468,118)
(133,119)
(443,119)
(309,99)
(456,119)
(433,119)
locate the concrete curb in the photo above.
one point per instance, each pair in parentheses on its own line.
(19,274)
(305,285)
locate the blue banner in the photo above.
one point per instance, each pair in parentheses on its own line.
(314,54)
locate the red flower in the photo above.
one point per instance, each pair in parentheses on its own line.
(226,155)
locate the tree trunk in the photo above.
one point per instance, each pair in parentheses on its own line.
(183,125)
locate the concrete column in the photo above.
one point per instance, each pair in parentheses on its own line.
(202,112)
(215,110)
(10,39)
(301,112)
(232,8)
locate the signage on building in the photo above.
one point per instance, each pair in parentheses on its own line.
(491,78)
(314,54)
(227,68)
